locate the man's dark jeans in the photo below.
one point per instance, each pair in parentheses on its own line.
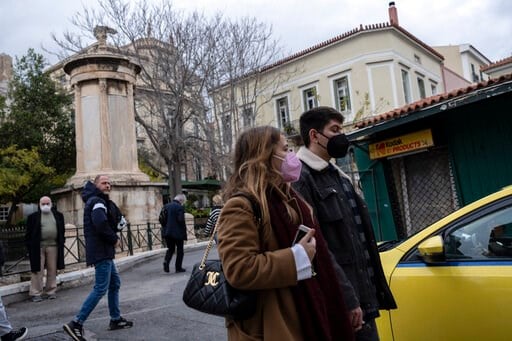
(171,245)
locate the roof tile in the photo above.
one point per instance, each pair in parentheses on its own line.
(410,108)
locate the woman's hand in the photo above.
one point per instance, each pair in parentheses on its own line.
(308,242)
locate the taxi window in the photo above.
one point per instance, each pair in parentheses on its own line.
(488,237)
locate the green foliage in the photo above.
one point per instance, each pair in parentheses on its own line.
(38,120)
(39,115)
(2,108)
(198,212)
(154,176)
(19,170)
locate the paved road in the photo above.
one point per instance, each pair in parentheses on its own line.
(149,297)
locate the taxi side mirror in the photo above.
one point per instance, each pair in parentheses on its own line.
(431,250)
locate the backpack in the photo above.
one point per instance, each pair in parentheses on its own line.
(116,219)
(162,218)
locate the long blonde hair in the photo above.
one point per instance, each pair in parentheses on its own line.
(254,172)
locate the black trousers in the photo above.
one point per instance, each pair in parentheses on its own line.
(368,332)
(171,245)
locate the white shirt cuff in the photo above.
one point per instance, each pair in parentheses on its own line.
(302,262)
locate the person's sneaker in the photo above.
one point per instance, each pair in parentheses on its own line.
(16,334)
(52,297)
(166,267)
(37,299)
(122,323)
(75,330)
(181,270)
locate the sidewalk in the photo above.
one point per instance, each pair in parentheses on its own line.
(18,292)
(149,297)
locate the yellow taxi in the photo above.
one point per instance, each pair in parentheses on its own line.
(453,279)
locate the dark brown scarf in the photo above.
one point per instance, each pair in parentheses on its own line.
(319,300)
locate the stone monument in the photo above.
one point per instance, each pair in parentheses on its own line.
(103,82)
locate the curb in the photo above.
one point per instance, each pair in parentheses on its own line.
(18,292)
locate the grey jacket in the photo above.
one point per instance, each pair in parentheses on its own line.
(320,185)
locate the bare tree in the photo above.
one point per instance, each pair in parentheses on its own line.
(184,58)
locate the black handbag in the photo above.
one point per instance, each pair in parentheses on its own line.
(208,290)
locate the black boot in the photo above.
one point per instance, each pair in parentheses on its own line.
(166,267)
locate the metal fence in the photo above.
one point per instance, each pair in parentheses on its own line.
(134,239)
(424,188)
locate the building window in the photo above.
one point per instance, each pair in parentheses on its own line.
(283,113)
(63,81)
(407,87)
(310,100)
(433,87)
(342,94)
(473,74)
(226,129)
(224,104)
(421,88)
(247,116)
(4,213)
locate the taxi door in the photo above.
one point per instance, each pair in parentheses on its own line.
(466,295)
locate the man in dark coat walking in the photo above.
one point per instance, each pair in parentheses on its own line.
(344,219)
(174,231)
(45,245)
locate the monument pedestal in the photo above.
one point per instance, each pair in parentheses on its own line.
(139,202)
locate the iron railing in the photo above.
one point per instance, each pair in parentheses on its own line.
(134,238)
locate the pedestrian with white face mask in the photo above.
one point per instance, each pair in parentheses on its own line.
(45,244)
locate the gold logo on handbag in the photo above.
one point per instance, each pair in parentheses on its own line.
(212,278)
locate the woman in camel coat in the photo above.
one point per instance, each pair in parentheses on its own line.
(299,297)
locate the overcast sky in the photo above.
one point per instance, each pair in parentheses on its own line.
(486,24)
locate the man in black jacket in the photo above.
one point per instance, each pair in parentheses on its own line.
(101,241)
(45,239)
(343,218)
(175,231)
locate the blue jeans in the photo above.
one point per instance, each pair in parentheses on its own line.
(5,325)
(106,278)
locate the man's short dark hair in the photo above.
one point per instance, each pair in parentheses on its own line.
(317,118)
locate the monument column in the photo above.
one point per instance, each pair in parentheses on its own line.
(103,81)
(105,128)
(78,131)
(105,119)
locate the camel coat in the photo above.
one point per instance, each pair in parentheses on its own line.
(270,273)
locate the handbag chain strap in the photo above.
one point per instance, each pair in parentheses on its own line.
(208,247)
(257,214)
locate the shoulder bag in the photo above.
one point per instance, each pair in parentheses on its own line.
(208,290)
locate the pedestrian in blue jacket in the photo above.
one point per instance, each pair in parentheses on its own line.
(101,241)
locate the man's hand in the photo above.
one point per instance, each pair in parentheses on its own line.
(356,318)
(118,243)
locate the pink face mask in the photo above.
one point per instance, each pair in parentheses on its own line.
(290,167)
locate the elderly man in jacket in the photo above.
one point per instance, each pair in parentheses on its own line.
(45,239)
(343,218)
(175,231)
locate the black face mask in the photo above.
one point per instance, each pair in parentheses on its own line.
(337,146)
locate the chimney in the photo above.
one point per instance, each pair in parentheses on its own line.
(393,15)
